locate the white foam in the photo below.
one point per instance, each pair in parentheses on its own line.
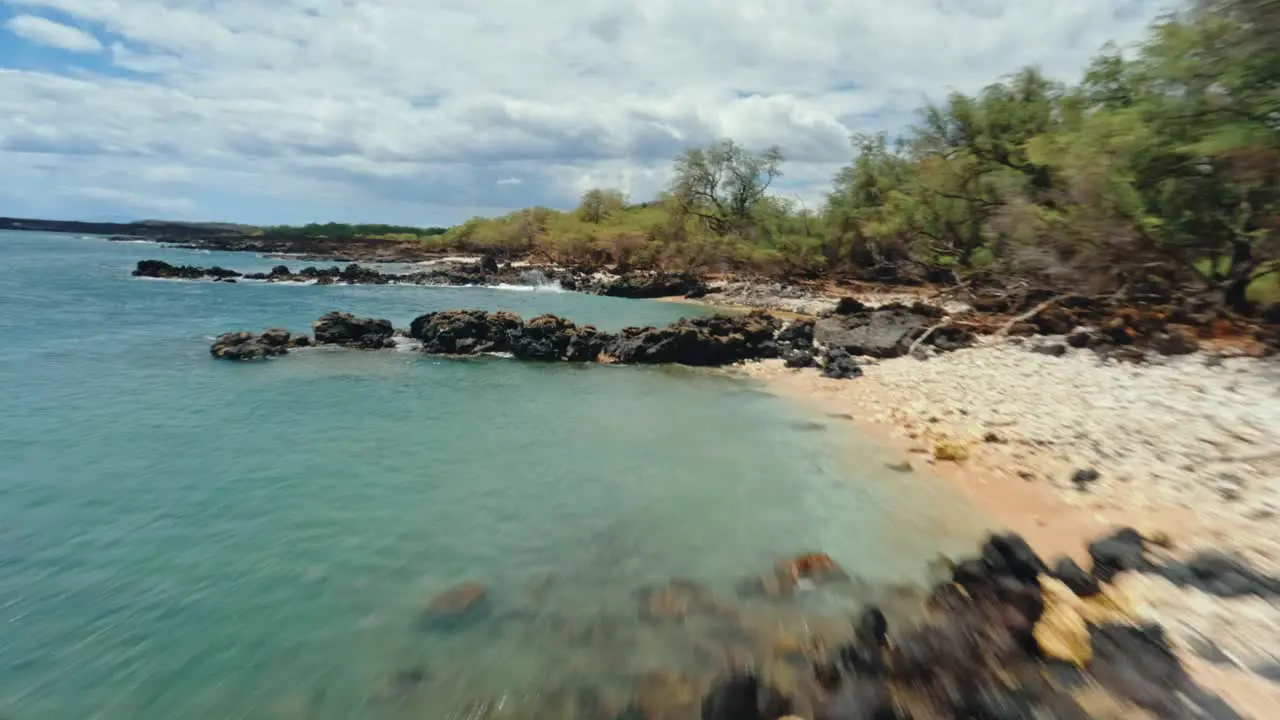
(550,287)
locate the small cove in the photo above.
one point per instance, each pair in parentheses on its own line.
(186,538)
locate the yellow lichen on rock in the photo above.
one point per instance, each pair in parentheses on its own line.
(1062,632)
(952,451)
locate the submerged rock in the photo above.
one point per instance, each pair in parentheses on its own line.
(457,602)
(744,696)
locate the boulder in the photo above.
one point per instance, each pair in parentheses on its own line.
(550,338)
(840,365)
(636,284)
(339,328)
(466,332)
(250,346)
(162,269)
(702,341)
(885,332)
(801,359)
(798,335)
(358,275)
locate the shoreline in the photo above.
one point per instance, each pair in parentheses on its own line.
(1021,481)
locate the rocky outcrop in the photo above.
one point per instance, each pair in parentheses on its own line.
(636,284)
(162,269)
(549,338)
(703,341)
(250,346)
(465,332)
(1000,639)
(482,273)
(339,328)
(887,331)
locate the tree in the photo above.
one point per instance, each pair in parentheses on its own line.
(598,205)
(723,184)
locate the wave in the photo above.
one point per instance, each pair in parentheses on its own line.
(548,288)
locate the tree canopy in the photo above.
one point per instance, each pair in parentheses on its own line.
(1159,168)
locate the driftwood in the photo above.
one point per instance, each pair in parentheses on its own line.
(1004,330)
(911,351)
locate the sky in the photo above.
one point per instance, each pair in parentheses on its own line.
(427,112)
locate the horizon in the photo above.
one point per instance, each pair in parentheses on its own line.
(390,112)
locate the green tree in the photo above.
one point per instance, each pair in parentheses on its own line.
(598,205)
(723,184)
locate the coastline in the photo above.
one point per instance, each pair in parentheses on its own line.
(1002,403)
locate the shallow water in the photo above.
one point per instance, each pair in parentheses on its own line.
(181,537)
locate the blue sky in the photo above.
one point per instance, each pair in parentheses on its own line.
(432,111)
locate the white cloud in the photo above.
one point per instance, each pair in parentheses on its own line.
(47,32)
(418,110)
(508,181)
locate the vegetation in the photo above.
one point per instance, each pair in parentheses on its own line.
(1160,169)
(344,230)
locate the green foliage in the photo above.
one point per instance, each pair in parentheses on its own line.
(1162,164)
(345,230)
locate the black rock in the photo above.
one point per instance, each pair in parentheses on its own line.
(743,696)
(1138,665)
(1222,575)
(798,335)
(702,341)
(339,328)
(840,365)
(1009,554)
(873,627)
(1124,550)
(801,359)
(162,269)
(1084,477)
(849,306)
(1081,338)
(1075,578)
(972,574)
(248,346)
(1051,349)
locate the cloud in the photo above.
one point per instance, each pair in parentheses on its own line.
(47,32)
(508,181)
(416,111)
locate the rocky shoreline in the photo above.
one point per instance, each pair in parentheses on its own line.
(1123,414)
(1001,634)
(484,270)
(829,344)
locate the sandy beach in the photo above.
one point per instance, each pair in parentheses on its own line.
(1063,448)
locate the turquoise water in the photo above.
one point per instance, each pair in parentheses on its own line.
(187,538)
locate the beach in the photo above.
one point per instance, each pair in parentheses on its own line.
(1062,448)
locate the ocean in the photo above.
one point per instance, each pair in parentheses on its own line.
(188,538)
